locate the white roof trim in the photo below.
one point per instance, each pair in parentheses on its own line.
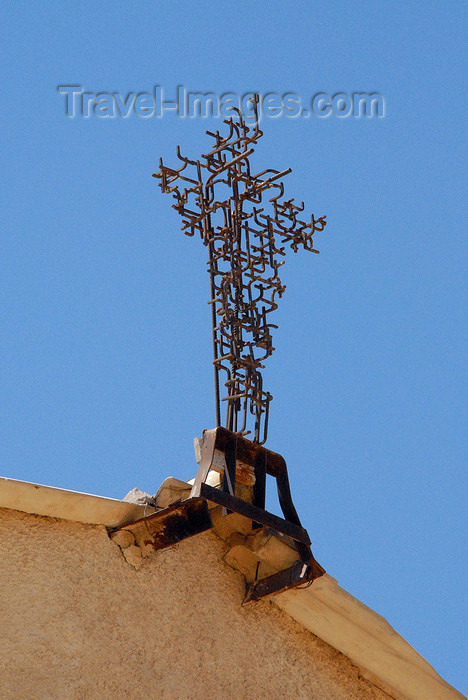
(366,638)
(68,505)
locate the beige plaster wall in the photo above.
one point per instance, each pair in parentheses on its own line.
(77,621)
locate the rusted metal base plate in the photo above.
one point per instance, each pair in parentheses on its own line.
(167,527)
(300,573)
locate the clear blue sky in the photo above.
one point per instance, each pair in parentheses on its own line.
(105,346)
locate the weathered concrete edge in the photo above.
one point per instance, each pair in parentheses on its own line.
(366,638)
(68,505)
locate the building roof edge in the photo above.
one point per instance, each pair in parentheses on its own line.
(324,608)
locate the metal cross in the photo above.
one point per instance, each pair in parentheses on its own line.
(220,198)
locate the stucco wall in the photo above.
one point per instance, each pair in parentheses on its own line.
(78,622)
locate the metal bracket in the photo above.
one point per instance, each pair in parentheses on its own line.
(263,461)
(297,574)
(191,516)
(169,526)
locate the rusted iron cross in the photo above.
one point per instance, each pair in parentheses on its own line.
(221,201)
